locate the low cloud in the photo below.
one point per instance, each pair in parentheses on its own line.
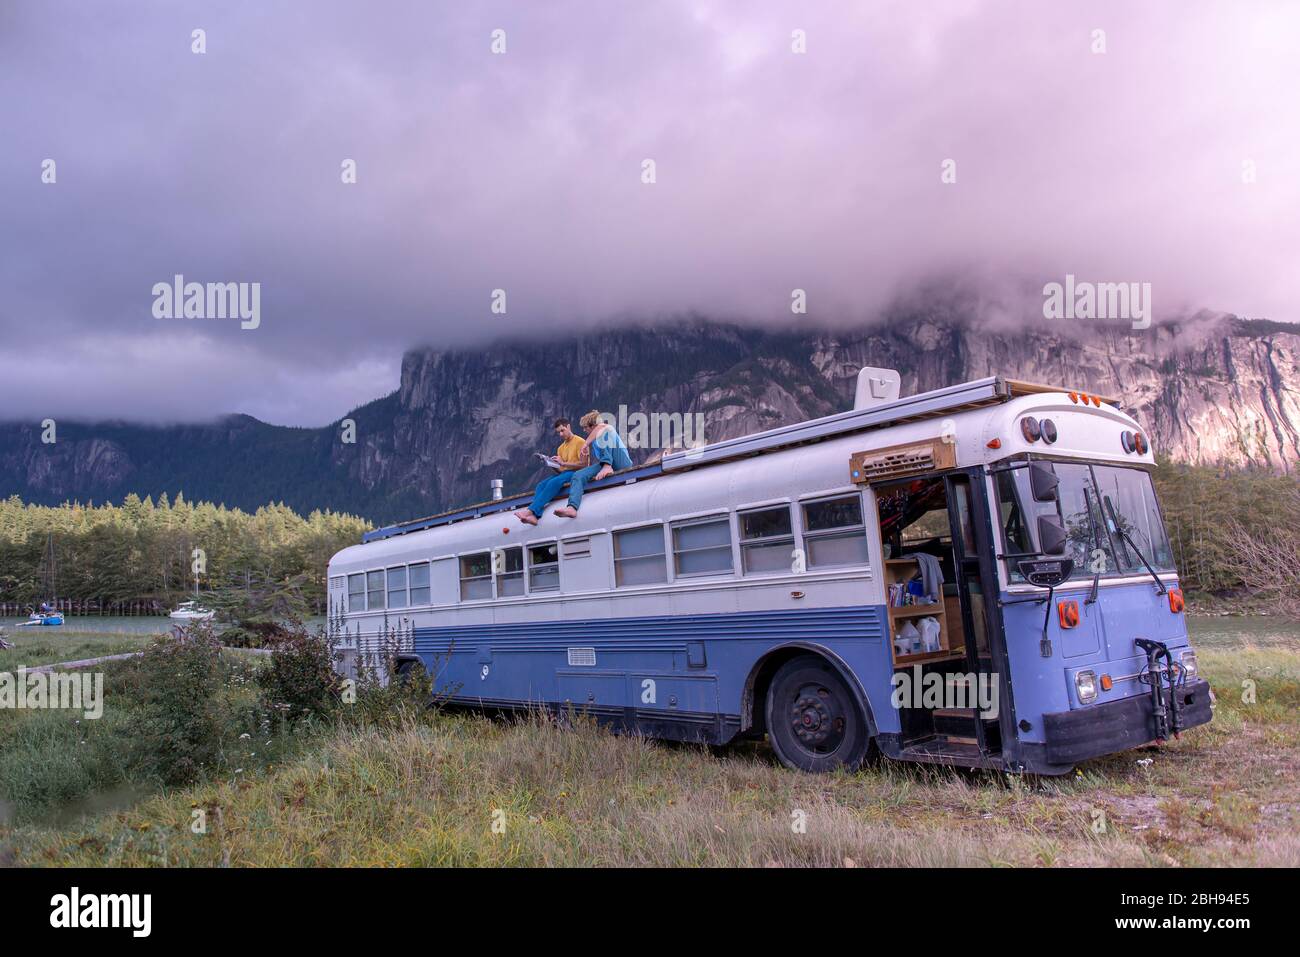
(1172,158)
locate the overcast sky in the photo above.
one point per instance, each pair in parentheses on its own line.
(774,170)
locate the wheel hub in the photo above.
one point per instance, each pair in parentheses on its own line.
(815,719)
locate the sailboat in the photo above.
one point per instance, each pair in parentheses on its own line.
(192,610)
(49,615)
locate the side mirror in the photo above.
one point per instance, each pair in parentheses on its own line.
(1043,481)
(1051,535)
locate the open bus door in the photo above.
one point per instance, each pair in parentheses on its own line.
(941,519)
(977,585)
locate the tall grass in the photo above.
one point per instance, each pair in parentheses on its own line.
(415,788)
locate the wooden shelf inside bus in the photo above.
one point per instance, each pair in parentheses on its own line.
(899,571)
(920,611)
(926,657)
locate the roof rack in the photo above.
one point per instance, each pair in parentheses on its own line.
(496,505)
(927,405)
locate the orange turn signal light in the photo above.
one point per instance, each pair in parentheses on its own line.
(1068,613)
(1074,397)
(995,443)
(1176,600)
(1106,683)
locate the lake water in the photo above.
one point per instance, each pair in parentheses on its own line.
(1242,632)
(108,625)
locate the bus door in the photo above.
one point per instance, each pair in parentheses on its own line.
(977,590)
(941,594)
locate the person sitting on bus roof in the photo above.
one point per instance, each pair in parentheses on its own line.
(606,446)
(573,455)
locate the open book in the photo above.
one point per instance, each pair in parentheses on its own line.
(551,461)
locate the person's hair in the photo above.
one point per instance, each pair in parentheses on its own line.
(561,421)
(590,419)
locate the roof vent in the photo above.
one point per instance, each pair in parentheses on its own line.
(497,486)
(876,387)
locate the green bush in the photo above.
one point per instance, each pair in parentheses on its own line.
(183,718)
(300,681)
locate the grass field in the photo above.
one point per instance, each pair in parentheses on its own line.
(45,646)
(466,790)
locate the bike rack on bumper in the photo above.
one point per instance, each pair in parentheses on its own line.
(1174,705)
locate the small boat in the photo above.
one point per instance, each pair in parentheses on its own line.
(48,614)
(42,618)
(192,611)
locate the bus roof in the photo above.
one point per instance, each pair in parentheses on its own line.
(992,390)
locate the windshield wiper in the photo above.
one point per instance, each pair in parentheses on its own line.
(1096,544)
(1110,507)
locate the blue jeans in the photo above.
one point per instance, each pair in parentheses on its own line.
(548,489)
(579,483)
(615,456)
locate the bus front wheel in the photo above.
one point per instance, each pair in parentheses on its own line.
(813,720)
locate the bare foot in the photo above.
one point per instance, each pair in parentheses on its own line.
(605,472)
(526,516)
(568,511)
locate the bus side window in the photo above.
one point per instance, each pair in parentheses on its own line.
(375,590)
(766,540)
(639,556)
(420,584)
(543,567)
(834,533)
(476,576)
(357,592)
(397,587)
(702,547)
(510,573)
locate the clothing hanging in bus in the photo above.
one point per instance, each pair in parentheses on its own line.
(931,574)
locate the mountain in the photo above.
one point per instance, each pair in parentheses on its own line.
(1210,390)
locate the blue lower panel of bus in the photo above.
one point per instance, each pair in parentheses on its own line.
(683,670)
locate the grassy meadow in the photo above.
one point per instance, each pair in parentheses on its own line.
(405,787)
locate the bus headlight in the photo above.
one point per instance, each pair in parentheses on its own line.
(1188,660)
(1085,682)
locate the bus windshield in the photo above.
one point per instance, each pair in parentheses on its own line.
(1111,519)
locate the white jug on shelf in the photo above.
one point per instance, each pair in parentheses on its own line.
(929,628)
(908,640)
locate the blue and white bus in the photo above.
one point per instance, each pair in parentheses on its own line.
(795,583)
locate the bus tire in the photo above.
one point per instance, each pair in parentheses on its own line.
(408,669)
(813,719)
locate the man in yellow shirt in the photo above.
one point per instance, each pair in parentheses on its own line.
(573,454)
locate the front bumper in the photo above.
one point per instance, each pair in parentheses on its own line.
(1090,732)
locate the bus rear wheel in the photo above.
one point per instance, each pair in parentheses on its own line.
(813,720)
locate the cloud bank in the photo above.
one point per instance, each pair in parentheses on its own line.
(1172,158)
